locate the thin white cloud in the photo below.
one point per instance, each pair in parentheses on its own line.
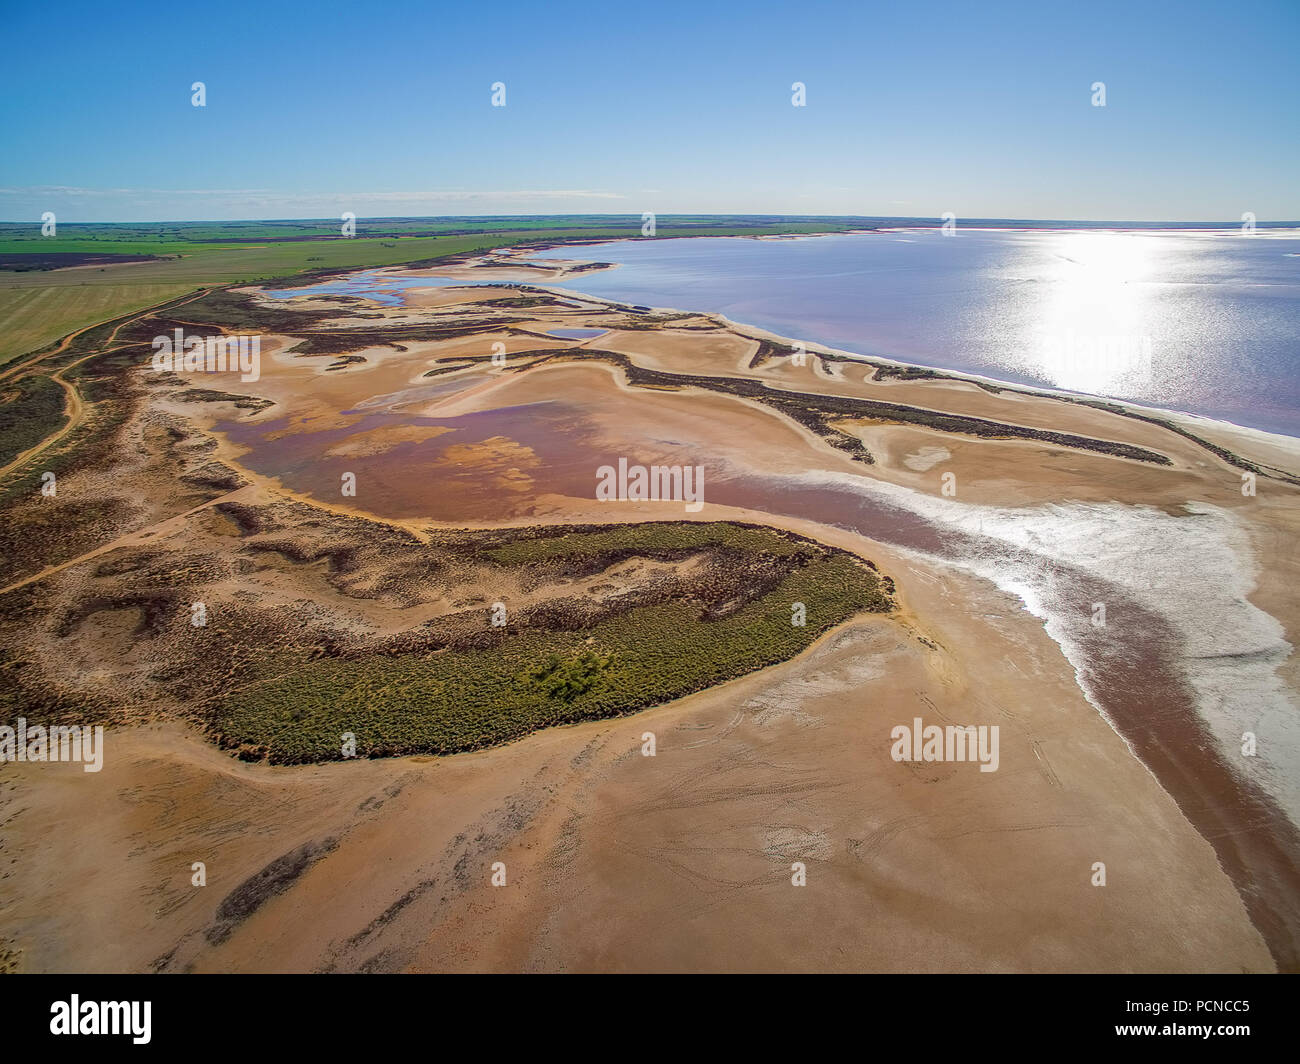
(288,197)
(73,203)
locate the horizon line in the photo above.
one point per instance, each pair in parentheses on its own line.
(1206,223)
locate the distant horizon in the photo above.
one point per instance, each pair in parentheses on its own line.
(961,222)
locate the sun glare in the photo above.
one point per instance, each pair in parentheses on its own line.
(1090,332)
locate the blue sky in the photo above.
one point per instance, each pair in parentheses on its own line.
(913,109)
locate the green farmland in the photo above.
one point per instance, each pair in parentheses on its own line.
(39,304)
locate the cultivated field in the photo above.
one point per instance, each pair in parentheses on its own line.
(32,315)
(38,305)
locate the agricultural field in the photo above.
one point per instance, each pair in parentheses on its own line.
(34,315)
(39,304)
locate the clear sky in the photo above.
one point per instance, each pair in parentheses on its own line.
(913,109)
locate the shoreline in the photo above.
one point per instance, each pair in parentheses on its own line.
(1183,779)
(759,332)
(525,255)
(750,333)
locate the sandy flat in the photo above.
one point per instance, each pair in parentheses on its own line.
(616,861)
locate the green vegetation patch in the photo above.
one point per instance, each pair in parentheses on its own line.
(657,539)
(295,703)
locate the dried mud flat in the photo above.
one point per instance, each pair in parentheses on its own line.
(613,860)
